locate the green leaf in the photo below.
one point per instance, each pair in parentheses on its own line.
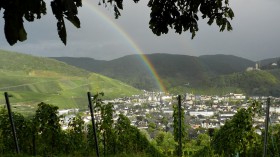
(22,34)
(211,20)
(119,4)
(62,31)
(75,21)
(117,12)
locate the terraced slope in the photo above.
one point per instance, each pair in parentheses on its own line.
(31,80)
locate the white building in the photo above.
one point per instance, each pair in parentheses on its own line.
(206,113)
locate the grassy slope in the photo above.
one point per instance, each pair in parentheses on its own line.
(32,79)
(12,61)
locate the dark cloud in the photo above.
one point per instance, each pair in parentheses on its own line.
(255,34)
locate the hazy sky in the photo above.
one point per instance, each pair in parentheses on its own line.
(255,34)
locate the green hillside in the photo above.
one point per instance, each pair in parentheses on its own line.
(268,61)
(31,80)
(174,70)
(132,70)
(256,82)
(225,64)
(208,74)
(14,61)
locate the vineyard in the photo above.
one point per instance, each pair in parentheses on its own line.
(41,134)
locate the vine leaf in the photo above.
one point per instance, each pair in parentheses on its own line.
(14,29)
(62,31)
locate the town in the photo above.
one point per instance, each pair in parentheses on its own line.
(154,110)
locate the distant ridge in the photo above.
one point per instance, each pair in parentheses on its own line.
(82,62)
(174,70)
(270,63)
(226,64)
(267,61)
(15,61)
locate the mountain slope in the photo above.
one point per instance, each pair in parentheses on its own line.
(268,61)
(208,74)
(257,82)
(13,61)
(225,64)
(34,79)
(174,70)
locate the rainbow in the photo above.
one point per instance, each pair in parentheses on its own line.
(145,60)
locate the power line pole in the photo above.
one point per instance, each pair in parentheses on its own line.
(179,126)
(266,127)
(12,121)
(93,123)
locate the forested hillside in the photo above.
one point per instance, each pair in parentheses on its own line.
(208,74)
(225,64)
(174,70)
(256,82)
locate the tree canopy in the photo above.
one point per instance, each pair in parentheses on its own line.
(180,15)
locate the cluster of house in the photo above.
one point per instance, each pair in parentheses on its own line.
(201,111)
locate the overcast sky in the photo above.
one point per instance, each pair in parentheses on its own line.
(255,34)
